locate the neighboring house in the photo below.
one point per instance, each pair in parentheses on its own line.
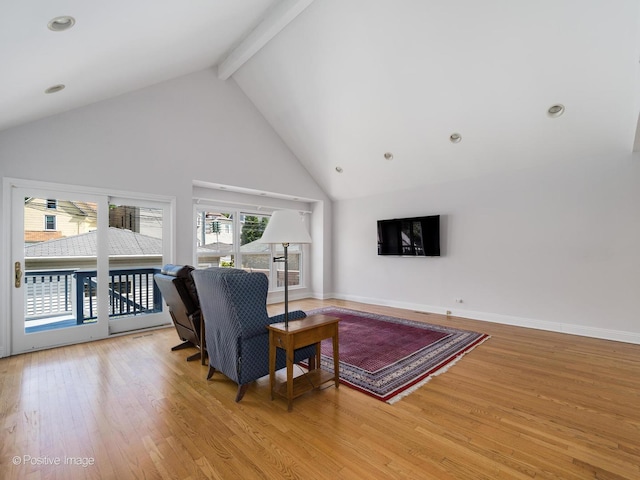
(215,246)
(214,237)
(214,231)
(48,219)
(75,257)
(126,249)
(147,221)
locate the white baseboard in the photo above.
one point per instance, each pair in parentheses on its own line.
(569,328)
(322,296)
(294,294)
(572,329)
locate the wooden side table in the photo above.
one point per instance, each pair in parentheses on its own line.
(301,333)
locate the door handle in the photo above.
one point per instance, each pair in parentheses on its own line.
(18,272)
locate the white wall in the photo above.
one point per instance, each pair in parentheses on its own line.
(158,140)
(557,248)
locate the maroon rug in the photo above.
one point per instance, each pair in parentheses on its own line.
(388,357)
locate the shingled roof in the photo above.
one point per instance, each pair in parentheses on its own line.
(121,243)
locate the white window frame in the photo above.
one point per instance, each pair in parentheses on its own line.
(237,213)
(6,286)
(46,223)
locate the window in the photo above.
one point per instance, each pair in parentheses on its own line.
(49,222)
(255,256)
(294,252)
(230,238)
(52,204)
(215,239)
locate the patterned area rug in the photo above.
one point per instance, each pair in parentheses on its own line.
(388,357)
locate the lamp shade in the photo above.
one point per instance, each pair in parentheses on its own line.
(285,226)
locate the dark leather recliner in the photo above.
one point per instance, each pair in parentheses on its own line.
(179,293)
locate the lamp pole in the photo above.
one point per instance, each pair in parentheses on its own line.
(286,286)
(285,259)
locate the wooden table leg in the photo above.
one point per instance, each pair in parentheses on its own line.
(336,359)
(316,364)
(272,363)
(289,351)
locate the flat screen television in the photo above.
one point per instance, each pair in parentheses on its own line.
(416,236)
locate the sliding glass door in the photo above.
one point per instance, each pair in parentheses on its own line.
(83,265)
(55,242)
(137,250)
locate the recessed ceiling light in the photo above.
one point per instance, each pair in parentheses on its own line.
(339,169)
(556,110)
(60,24)
(455,138)
(54,88)
(388,156)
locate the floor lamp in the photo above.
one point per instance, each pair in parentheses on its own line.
(285,227)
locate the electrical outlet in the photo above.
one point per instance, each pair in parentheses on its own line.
(458,300)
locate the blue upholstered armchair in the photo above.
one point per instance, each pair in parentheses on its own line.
(234,306)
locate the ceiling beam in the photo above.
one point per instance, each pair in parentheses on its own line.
(278,17)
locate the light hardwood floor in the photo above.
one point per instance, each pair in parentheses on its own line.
(525,404)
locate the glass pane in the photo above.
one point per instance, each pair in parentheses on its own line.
(49,222)
(256,256)
(257,263)
(252,228)
(214,233)
(215,246)
(294,254)
(60,263)
(135,255)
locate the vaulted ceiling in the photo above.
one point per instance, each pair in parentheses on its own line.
(345,81)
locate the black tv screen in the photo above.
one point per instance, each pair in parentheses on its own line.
(416,236)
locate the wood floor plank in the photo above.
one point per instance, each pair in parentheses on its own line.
(526,404)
